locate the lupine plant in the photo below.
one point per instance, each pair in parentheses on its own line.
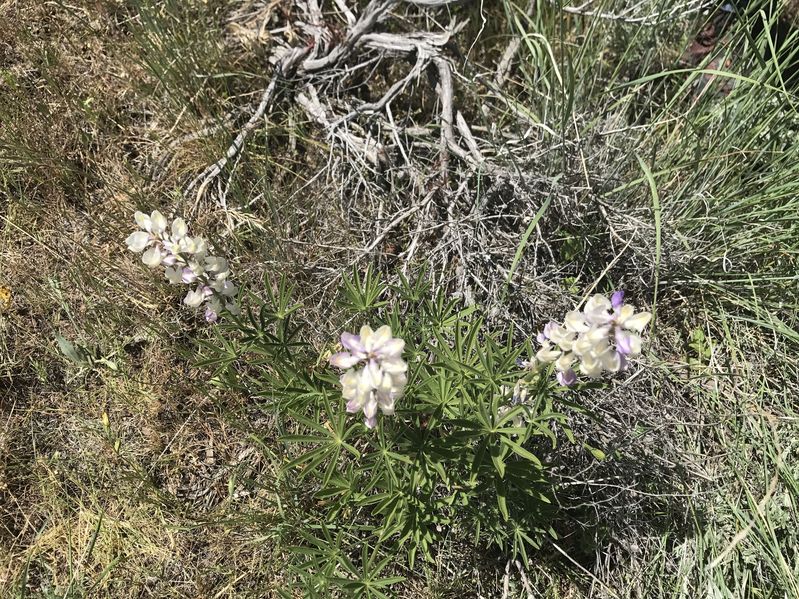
(186,261)
(458,433)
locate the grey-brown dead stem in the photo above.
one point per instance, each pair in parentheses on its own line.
(320,62)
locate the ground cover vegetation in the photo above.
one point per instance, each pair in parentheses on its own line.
(317,299)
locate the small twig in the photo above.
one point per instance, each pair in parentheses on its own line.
(204,178)
(466,133)
(366,147)
(396,221)
(525,581)
(448,142)
(675,12)
(583,569)
(348,14)
(393,91)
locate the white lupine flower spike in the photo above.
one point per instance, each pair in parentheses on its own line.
(186,262)
(380,381)
(600,338)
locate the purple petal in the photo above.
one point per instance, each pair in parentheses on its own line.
(188,275)
(353,406)
(622,361)
(617,299)
(352,343)
(541,338)
(623,343)
(371,422)
(210,315)
(566,378)
(548,329)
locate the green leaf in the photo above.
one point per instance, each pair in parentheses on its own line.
(498,458)
(502,502)
(597,453)
(69,350)
(521,452)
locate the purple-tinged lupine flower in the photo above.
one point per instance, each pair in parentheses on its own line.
(381,380)
(186,261)
(600,338)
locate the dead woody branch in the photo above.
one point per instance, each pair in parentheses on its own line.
(308,67)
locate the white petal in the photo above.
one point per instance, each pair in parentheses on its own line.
(392,348)
(564,362)
(370,377)
(229,289)
(370,406)
(179,229)
(566,343)
(638,322)
(353,344)
(545,354)
(199,246)
(137,241)
(215,264)
(598,334)
(386,405)
(366,335)
(158,222)
(399,379)
(194,298)
(591,367)
(174,275)
(625,312)
(349,383)
(610,360)
(583,345)
(215,305)
(635,345)
(381,337)
(597,303)
(152,257)
(142,220)
(575,321)
(386,384)
(350,378)
(394,366)
(344,360)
